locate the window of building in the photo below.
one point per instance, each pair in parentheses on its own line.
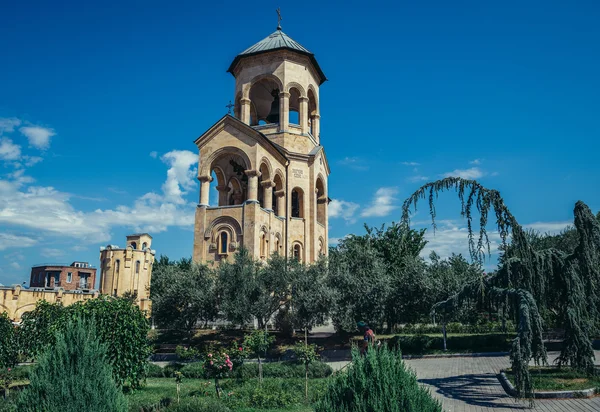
(223,243)
(117,265)
(69,277)
(297,252)
(263,245)
(144,246)
(137,267)
(276,245)
(297,202)
(134,245)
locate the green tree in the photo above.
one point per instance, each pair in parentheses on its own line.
(258,343)
(360,282)
(73,375)
(305,354)
(311,296)
(528,279)
(120,325)
(377,382)
(8,342)
(188,297)
(248,289)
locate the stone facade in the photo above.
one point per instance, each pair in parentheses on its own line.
(77,276)
(16,300)
(267,162)
(128,269)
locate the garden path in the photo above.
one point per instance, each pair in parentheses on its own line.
(470,385)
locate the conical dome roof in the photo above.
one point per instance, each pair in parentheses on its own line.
(277,40)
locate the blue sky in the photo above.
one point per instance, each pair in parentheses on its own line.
(100,104)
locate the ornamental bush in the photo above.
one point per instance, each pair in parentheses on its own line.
(8,342)
(73,375)
(377,382)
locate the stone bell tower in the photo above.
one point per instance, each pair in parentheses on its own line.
(268,162)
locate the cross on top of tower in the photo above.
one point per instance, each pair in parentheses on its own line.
(229,106)
(278,18)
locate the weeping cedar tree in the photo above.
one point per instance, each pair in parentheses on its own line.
(529,283)
(377,382)
(73,375)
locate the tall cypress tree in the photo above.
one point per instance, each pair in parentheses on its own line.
(73,375)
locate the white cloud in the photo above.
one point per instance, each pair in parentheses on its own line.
(334,241)
(15,265)
(417,178)
(343,209)
(52,253)
(179,174)
(39,137)
(154,154)
(31,160)
(49,210)
(551,228)
(7,125)
(9,150)
(472,173)
(475,162)
(411,164)
(355,163)
(383,203)
(8,240)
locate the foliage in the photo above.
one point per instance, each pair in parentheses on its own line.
(421,344)
(377,382)
(305,354)
(560,379)
(185,353)
(218,365)
(73,375)
(455,327)
(187,295)
(6,379)
(311,296)
(120,325)
(8,342)
(258,342)
(249,289)
(530,283)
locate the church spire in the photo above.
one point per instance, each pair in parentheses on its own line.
(278,18)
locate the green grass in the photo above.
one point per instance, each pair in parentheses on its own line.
(238,395)
(559,379)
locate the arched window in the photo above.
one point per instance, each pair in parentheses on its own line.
(276,244)
(294,106)
(321,201)
(137,267)
(297,252)
(321,249)
(144,246)
(297,202)
(117,265)
(263,245)
(264,95)
(223,243)
(134,245)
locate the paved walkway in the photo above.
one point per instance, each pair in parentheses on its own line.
(471,385)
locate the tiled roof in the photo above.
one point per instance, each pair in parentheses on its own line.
(278,41)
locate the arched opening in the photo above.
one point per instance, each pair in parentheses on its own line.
(117,265)
(312,111)
(297,252)
(223,243)
(321,246)
(297,202)
(229,182)
(294,106)
(265,192)
(144,246)
(134,245)
(264,249)
(137,267)
(264,95)
(278,196)
(277,244)
(321,201)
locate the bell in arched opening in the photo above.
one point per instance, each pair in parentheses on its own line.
(273,116)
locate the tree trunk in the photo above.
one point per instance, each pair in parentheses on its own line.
(259,371)
(444,332)
(306,382)
(217,388)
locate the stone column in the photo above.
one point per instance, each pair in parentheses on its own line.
(316,127)
(245,111)
(280,194)
(268,194)
(304,114)
(284,111)
(252,185)
(204,190)
(223,195)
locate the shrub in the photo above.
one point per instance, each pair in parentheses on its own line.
(155,371)
(199,405)
(377,382)
(8,342)
(195,370)
(283,370)
(73,375)
(419,344)
(171,368)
